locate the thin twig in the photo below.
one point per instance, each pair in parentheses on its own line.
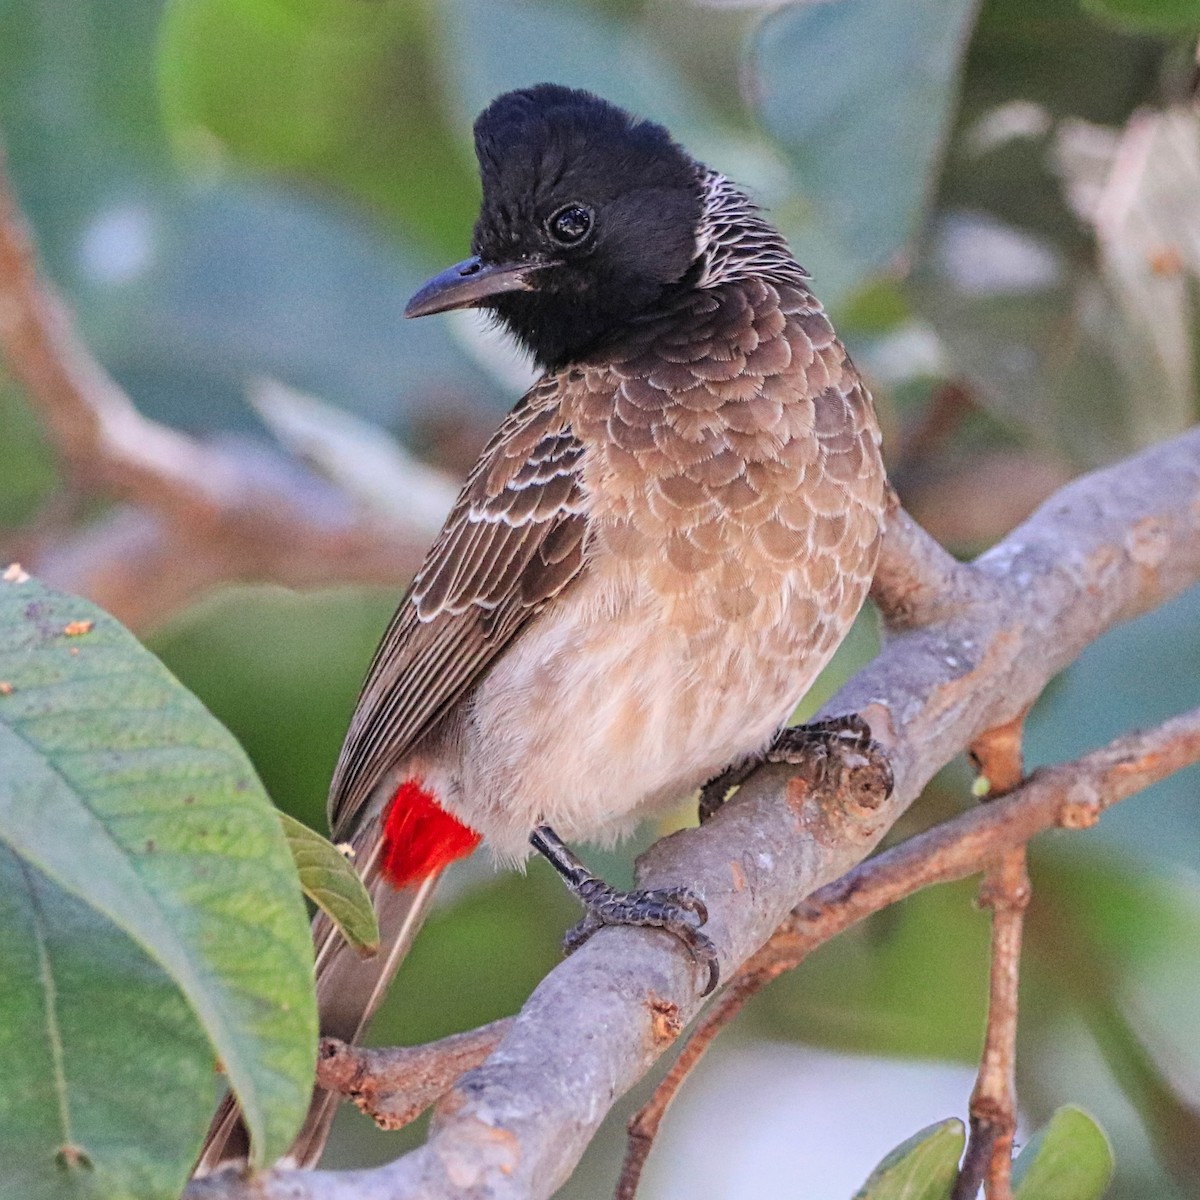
(993,1108)
(644,1124)
(1005,890)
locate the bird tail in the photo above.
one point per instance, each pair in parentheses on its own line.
(400,865)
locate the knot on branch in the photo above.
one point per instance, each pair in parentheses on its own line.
(842,791)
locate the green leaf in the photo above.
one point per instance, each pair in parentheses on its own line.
(922,1168)
(861,94)
(1068,1160)
(124,791)
(332,884)
(108,1079)
(281,670)
(1149,16)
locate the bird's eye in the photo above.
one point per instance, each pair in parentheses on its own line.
(570,224)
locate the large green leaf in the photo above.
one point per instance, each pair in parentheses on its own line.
(861,94)
(332,884)
(107,1078)
(281,670)
(126,793)
(922,1168)
(1068,1160)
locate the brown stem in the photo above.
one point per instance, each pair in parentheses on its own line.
(1005,890)
(993,1109)
(644,1124)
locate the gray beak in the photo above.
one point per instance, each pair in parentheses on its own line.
(472,282)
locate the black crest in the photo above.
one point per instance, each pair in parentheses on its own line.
(610,201)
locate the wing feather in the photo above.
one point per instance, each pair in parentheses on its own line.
(513,541)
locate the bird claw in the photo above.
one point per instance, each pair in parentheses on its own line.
(821,746)
(826,745)
(677,910)
(795,743)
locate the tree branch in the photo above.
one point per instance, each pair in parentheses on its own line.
(1069,796)
(1107,547)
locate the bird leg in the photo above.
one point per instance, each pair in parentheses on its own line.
(677,910)
(820,745)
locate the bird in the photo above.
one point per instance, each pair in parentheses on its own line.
(653,558)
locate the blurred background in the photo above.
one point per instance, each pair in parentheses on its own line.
(999,202)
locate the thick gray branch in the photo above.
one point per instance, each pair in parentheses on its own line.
(973,647)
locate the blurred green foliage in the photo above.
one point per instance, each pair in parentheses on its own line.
(234,188)
(1157,16)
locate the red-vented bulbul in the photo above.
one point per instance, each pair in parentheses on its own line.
(649,564)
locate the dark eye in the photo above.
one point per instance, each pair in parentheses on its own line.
(571,224)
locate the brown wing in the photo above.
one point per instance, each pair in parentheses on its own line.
(512,542)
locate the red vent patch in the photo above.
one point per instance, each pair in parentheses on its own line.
(420,837)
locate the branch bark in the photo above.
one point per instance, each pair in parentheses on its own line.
(1069,796)
(970,648)
(396,1084)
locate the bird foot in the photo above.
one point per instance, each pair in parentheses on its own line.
(827,749)
(677,910)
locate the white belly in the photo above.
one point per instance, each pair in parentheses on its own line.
(603,713)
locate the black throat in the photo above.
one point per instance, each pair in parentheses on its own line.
(558,329)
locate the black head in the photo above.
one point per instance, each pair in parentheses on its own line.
(589,217)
